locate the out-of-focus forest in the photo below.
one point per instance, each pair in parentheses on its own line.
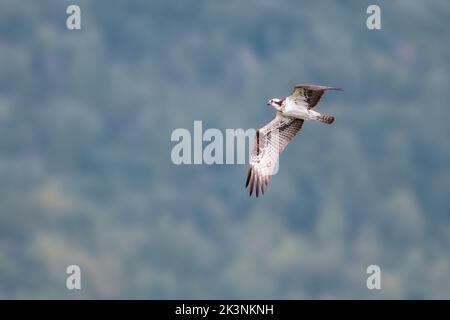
(86,176)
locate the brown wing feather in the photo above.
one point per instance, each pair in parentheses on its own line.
(270,141)
(311,93)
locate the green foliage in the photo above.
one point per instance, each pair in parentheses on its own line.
(85,170)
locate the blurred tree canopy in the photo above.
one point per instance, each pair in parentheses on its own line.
(85,170)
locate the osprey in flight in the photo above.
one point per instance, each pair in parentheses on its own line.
(271,139)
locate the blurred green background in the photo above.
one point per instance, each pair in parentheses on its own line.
(86,176)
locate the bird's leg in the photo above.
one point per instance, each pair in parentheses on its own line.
(313,115)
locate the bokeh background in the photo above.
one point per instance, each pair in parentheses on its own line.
(86,176)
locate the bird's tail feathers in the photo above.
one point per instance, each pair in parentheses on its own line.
(325,119)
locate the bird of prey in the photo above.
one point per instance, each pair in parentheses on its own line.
(271,139)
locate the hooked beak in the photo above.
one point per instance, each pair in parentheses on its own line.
(268,103)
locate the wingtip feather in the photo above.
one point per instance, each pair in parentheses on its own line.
(248,176)
(257,186)
(252,181)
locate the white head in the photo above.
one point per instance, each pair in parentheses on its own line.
(276,103)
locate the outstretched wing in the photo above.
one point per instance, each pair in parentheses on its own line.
(309,94)
(270,142)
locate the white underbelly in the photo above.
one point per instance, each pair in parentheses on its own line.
(304,114)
